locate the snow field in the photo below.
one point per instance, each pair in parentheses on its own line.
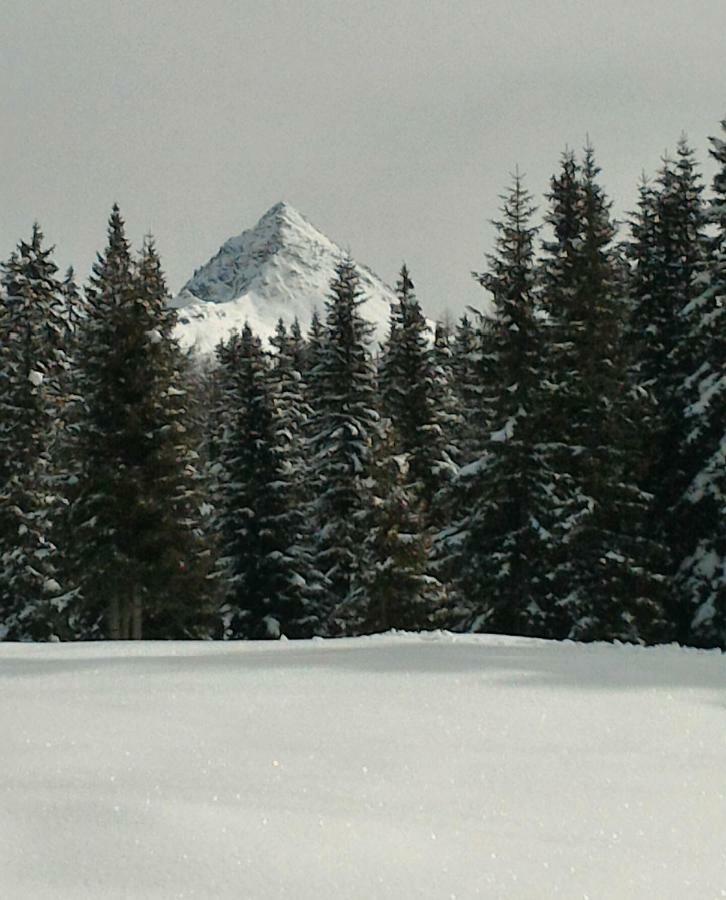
(400,766)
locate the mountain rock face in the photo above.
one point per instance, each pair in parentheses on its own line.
(281,268)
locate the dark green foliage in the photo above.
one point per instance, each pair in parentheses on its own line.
(669,252)
(33,362)
(139,556)
(448,413)
(394,590)
(412,395)
(702,511)
(344,431)
(608,575)
(505,551)
(468,390)
(263,569)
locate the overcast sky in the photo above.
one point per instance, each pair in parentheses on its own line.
(392,125)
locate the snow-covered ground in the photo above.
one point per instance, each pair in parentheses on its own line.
(394,767)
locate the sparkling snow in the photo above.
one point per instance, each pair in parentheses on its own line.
(397,767)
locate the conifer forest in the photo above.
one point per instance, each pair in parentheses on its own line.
(552,465)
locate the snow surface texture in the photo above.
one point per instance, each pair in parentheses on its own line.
(280,268)
(400,766)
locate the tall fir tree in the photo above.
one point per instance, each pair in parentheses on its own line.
(395,588)
(262,566)
(608,579)
(468,389)
(412,395)
(293,413)
(701,578)
(505,551)
(469,422)
(33,361)
(345,429)
(138,555)
(448,410)
(669,252)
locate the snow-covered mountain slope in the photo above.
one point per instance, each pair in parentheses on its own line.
(280,268)
(386,768)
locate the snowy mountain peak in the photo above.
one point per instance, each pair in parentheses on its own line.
(281,268)
(283,213)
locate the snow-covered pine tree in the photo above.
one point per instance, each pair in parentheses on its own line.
(179,555)
(75,303)
(448,408)
(395,589)
(67,464)
(311,358)
(138,554)
(33,603)
(412,395)
(344,432)
(608,580)
(293,414)
(74,314)
(469,406)
(289,390)
(505,550)
(669,249)
(467,389)
(701,580)
(263,571)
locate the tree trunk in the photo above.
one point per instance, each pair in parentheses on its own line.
(114,620)
(137,617)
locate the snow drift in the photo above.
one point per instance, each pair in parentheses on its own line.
(391,767)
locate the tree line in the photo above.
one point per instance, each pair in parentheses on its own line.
(554,466)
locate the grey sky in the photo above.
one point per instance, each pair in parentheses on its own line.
(392,124)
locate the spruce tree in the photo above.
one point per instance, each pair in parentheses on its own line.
(701,578)
(505,551)
(138,555)
(33,359)
(293,414)
(469,419)
(668,248)
(395,589)
(344,432)
(608,580)
(448,411)
(262,566)
(412,395)
(468,389)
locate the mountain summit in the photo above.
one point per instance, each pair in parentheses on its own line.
(281,268)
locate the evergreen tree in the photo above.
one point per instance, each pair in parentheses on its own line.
(293,415)
(138,555)
(468,389)
(33,603)
(448,411)
(469,415)
(344,431)
(668,248)
(67,464)
(412,395)
(395,589)
(505,541)
(702,511)
(293,410)
(262,566)
(607,578)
